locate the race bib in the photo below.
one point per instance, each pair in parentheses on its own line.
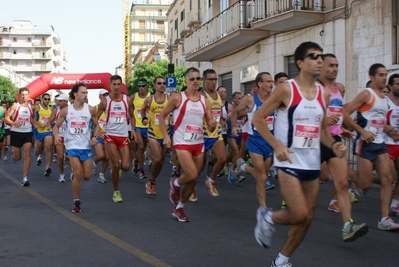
(117,116)
(102,123)
(44,119)
(335,110)
(306,136)
(156,119)
(63,127)
(25,122)
(376,125)
(270,122)
(193,132)
(216,113)
(78,127)
(138,113)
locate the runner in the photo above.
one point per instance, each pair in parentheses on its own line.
(43,134)
(3,111)
(20,118)
(6,133)
(140,129)
(190,109)
(155,104)
(300,105)
(62,100)
(338,167)
(78,117)
(371,152)
(118,114)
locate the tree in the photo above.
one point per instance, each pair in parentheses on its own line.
(148,72)
(8,91)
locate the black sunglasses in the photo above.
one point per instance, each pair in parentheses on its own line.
(106,94)
(194,78)
(142,85)
(314,56)
(46,98)
(159,83)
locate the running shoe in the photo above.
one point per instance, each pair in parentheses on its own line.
(240,179)
(283,204)
(212,188)
(287,264)
(55,158)
(388,225)
(269,185)
(25,182)
(47,171)
(394,210)
(358,191)
(352,231)
(135,168)
(179,215)
(117,197)
(193,197)
(76,206)
(62,178)
(237,171)
(38,161)
(150,188)
(93,168)
(352,196)
(174,192)
(264,231)
(230,177)
(143,175)
(101,178)
(5,158)
(149,164)
(333,206)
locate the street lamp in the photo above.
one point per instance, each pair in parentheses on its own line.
(157,57)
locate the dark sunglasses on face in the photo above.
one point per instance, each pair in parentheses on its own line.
(142,85)
(212,79)
(46,98)
(160,83)
(194,78)
(106,94)
(314,56)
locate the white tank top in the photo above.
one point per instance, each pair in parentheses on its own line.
(23,115)
(77,134)
(62,128)
(372,116)
(247,126)
(224,115)
(298,127)
(189,121)
(117,117)
(393,120)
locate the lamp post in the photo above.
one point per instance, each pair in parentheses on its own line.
(157,57)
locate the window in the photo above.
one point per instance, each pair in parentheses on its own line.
(176,24)
(14,39)
(292,68)
(29,40)
(29,52)
(14,64)
(141,24)
(182,15)
(190,5)
(160,36)
(159,12)
(160,24)
(14,52)
(141,37)
(209,3)
(29,63)
(28,75)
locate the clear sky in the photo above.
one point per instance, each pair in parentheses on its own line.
(91,31)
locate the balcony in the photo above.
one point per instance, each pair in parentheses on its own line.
(4,43)
(41,44)
(224,34)
(184,29)
(21,56)
(286,15)
(193,19)
(41,57)
(41,68)
(21,44)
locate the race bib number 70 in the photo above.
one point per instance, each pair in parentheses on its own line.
(306,136)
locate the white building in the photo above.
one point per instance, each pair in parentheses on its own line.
(31,50)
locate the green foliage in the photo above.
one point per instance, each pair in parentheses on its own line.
(8,91)
(148,72)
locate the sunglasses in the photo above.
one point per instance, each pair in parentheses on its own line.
(212,79)
(142,85)
(314,56)
(46,98)
(194,78)
(106,94)
(160,83)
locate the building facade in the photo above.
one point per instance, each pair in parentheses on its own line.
(29,50)
(241,38)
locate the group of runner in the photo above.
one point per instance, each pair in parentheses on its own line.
(295,124)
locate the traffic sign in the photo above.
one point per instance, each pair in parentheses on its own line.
(171,83)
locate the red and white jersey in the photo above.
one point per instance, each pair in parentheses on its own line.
(298,127)
(393,120)
(62,128)
(189,121)
(22,115)
(117,117)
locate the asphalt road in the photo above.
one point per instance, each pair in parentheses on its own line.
(37,227)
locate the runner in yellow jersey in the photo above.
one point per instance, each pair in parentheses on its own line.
(99,147)
(155,104)
(43,134)
(141,129)
(213,140)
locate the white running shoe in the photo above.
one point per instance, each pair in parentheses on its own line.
(388,225)
(62,178)
(101,178)
(264,230)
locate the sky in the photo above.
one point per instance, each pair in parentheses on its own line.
(91,31)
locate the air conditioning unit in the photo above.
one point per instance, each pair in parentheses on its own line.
(250,12)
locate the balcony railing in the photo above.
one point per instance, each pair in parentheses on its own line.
(267,9)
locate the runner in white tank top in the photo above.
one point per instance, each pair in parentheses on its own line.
(78,117)
(298,130)
(191,109)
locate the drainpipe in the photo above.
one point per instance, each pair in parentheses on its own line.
(243,14)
